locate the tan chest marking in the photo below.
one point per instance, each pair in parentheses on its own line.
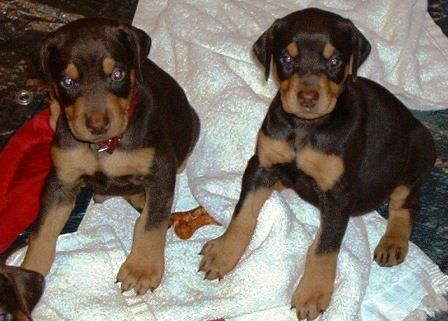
(326,169)
(71,164)
(271,151)
(127,163)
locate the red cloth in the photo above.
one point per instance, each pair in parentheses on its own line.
(24,163)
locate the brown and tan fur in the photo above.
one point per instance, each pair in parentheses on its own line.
(122,127)
(342,142)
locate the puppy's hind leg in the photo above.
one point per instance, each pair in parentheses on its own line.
(404,202)
(57,202)
(404,205)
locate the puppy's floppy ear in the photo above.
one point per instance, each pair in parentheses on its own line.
(140,43)
(360,49)
(263,48)
(20,290)
(47,47)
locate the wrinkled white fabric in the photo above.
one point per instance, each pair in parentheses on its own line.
(206,46)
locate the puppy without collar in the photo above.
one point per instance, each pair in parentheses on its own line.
(342,142)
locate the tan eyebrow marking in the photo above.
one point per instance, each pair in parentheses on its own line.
(108,65)
(72,71)
(328,50)
(293,49)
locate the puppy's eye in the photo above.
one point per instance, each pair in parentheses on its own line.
(286,59)
(334,62)
(67,82)
(118,74)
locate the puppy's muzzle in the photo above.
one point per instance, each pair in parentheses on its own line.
(308,97)
(97,123)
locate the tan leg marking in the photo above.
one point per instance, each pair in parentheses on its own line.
(293,49)
(72,71)
(393,246)
(137,200)
(278,186)
(42,244)
(120,163)
(144,267)
(315,288)
(223,253)
(326,169)
(108,65)
(71,164)
(271,151)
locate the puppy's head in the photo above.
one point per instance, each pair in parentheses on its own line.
(314,52)
(93,66)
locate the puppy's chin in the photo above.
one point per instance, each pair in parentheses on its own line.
(82,134)
(323,108)
(306,113)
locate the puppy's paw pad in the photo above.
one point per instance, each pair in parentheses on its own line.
(390,251)
(140,275)
(310,308)
(219,257)
(311,301)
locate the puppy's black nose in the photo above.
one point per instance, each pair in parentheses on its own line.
(308,97)
(97,123)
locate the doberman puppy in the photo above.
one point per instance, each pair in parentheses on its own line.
(342,142)
(125,128)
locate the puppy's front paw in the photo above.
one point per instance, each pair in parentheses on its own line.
(311,298)
(141,273)
(391,250)
(220,257)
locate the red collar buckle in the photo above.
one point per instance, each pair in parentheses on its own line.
(108,146)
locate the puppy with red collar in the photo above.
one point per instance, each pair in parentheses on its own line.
(125,128)
(342,142)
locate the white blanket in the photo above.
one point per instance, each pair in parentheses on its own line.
(206,46)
